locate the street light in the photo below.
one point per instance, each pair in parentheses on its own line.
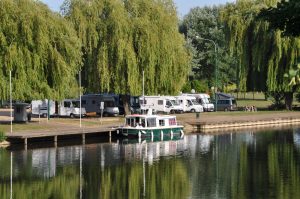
(10,89)
(216,70)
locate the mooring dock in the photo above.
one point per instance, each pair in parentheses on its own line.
(199,126)
(57,135)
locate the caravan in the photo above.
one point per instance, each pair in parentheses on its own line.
(189,104)
(203,99)
(67,107)
(165,104)
(92,103)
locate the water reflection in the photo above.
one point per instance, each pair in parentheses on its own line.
(237,165)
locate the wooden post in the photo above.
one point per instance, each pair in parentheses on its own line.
(55,141)
(83,138)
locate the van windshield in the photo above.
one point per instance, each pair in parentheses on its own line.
(76,104)
(205,100)
(175,102)
(195,102)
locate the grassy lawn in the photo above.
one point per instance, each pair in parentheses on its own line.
(260,104)
(55,123)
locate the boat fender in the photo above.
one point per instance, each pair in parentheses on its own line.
(171,134)
(139,134)
(161,135)
(118,132)
(182,133)
(152,134)
(144,132)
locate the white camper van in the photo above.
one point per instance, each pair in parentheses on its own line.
(67,107)
(189,104)
(165,104)
(203,99)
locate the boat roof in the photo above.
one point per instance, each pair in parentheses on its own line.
(150,116)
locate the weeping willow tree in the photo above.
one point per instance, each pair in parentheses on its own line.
(122,38)
(40,48)
(264,55)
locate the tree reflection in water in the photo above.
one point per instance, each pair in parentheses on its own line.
(238,165)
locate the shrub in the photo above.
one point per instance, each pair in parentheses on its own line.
(2,136)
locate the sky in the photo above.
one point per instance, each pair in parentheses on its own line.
(183,6)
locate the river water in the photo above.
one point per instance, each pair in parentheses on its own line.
(233,165)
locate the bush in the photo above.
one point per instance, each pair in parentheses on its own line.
(2,136)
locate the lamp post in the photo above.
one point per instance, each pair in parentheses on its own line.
(216,70)
(10,90)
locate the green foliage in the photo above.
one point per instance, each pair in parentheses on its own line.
(285,16)
(40,48)
(2,136)
(264,56)
(187,87)
(199,26)
(120,39)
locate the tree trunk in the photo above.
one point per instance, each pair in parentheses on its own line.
(288,97)
(126,104)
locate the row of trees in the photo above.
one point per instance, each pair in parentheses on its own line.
(109,42)
(252,54)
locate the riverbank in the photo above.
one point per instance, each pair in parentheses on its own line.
(55,127)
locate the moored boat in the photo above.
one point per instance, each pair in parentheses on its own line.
(139,125)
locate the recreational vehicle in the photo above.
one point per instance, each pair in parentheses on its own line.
(92,103)
(203,99)
(67,107)
(189,104)
(133,103)
(165,104)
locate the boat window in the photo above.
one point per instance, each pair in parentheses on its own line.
(161,122)
(190,103)
(143,122)
(132,122)
(172,122)
(151,122)
(128,121)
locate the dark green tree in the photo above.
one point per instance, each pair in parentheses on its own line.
(264,56)
(199,25)
(284,16)
(40,48)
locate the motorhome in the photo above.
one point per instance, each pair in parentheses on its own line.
(203,99)
(165,104)
(189,104)
(92,103)
(67,107)
(133,103)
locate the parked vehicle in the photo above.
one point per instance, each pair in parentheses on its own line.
(65,108)
(165,104)
(226,102)
(203,99)
(40,108)
(133,103)
(92,103)
(189,104)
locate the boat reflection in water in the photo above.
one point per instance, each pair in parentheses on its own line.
(234,165)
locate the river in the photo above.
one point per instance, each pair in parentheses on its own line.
(234,165)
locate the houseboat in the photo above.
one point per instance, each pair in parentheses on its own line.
(149,125)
